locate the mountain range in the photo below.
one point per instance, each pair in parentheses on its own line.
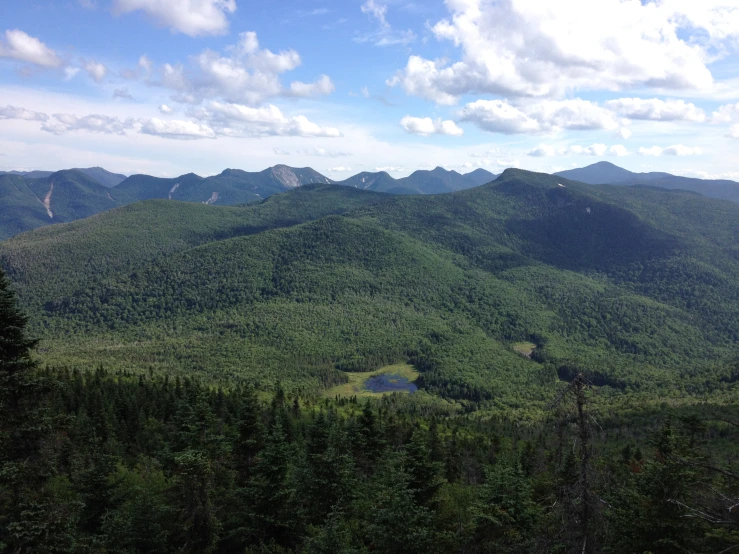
(37,198)
(33,199)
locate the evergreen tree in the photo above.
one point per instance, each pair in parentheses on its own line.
(199,527)
(426,474)
(32,519)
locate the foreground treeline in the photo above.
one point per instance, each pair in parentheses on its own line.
(111,463)
(100,462)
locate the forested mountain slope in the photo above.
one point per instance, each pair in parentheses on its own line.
(61,197)
(637,286)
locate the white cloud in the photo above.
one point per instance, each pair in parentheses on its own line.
(657,110)
(322,86)
(734,131)
(12,112)
(391,169)
(426,126)
(244,74)
(676,150)
(680,150)
(96,70)
(592,150)
(25,48)
(499,116)
(280,152)
(177,129)
(624,133)
(96,123)
(619,150)
(190,17)
(726,113)
(542,151)
(236,119)
(165,110)
(339,169)
(651,151)
(376,10)
(518,48)
(545,150)
(322,152)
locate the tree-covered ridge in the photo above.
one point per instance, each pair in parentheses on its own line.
(36,199)
(596,278)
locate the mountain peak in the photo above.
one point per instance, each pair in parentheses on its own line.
(598,173)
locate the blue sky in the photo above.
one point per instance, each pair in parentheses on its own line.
(171,86)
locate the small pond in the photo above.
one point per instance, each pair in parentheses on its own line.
(387,382)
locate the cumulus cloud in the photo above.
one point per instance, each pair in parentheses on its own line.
(236,120)
(726,113)
(177,129)
(243,74)
(542,151)
(624,133)
(165,110)
(619,150)
(190,17)
(498,116)
(339,169)
(322,86)
(676,150)
(657,110)
(530,49)
(25,48)
(13,112)
(592,150)
(63,123)
(734,131)
(426,126)
(96,70)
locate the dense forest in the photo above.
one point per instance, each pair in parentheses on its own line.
(637,286)
(574,346)
(119,463)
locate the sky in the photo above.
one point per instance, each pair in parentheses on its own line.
(167,87)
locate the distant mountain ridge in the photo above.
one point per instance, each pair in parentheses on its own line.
(37,198)
(102,176)
(435,181)
(604,173)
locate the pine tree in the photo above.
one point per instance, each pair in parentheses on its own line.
(199,526)
(31,519)
(425,474)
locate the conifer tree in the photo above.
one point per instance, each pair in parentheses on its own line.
(30,521)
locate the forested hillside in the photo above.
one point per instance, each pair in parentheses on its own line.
(636,286)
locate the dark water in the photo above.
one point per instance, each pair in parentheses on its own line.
(389,383)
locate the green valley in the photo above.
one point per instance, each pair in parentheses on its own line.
(634,286)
